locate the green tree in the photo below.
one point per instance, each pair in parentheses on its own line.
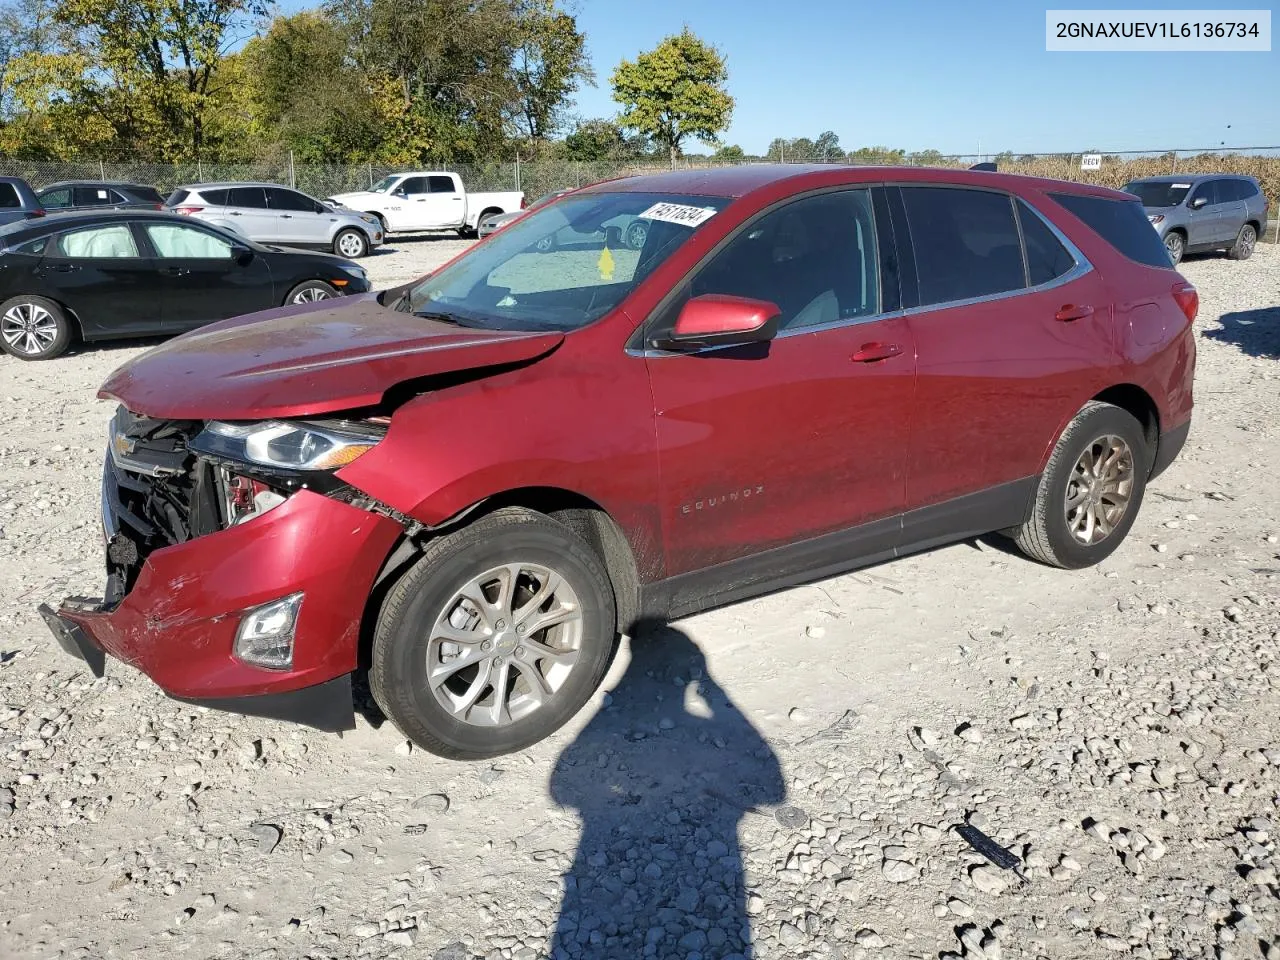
(925,158)
(730,154)
(595,140)
(549,64)
(827,146)
(675,91)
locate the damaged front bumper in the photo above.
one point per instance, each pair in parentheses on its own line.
(173,609)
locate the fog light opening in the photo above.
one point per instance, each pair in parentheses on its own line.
(265,636)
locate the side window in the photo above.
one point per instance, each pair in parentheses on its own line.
(32,248)
(99,243)
(53,200)
(281,199)
(815,258)
(1122,223)
(215,198)
(440,184)
(965,242)
(413,185)
(1248,189)
(178,196)
(1047,258)
(93,197)
(1204,190)
(174,241)
(9,199)
(254,197)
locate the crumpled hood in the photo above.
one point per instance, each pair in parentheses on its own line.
(357,199)
(306,360)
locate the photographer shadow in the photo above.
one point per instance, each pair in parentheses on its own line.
(661,777)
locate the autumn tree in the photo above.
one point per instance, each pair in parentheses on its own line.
(675,91)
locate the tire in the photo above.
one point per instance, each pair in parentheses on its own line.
(310,291)
(1242,249)
(1176,244)
(428,599)
(34,328)
(636,234)
(351,243)
(1048,536)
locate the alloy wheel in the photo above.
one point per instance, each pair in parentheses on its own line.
(28,328)
(637,233)
(1173,243)
(504,644)
(350,245)
(1099,490)
(1248,237)
(311,295)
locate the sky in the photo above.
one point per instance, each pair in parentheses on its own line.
(951,75)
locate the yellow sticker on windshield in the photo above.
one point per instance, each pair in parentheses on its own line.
(605,264)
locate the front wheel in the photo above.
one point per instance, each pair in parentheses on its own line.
(351,243)
(1176,244)
(1242,249)
(1090,491)
(310,292)
(33,328)
(495,638)
(637,233)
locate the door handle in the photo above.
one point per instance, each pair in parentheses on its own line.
(175,271)
(457,199)
(871,352)
(234,213)
(286,216)
(1071,312)
(66,267)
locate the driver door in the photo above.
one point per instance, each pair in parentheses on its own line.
(413,211)
(774,444)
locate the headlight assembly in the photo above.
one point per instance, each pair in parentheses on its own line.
(294,446)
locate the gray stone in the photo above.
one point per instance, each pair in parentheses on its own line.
(789,935)
(694,940)
(432,803)
(899,871)
(267,835)
(401,938)
(454,951)
(790,818)
(959,907)
(988,879)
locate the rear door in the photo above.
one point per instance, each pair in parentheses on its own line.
(763,448)
(298,219)
(1232,208)
(248,212)
(1010,324)
(105,278)
(199,280)
(446,205)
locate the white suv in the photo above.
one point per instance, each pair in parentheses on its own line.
(270,213)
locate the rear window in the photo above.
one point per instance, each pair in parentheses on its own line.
(9,199)
(147,194)
(177,197)
(1122,223)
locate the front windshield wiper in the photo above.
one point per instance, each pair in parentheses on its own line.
(441,317)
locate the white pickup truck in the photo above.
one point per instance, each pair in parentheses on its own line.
(428,200)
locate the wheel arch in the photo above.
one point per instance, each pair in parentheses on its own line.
(77,327)
(1130,397)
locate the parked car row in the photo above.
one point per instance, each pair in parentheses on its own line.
(801,371)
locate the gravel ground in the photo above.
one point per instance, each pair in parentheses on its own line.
(782,778)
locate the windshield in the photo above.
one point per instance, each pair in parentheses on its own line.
(384,185)
(1158,193)
(565,265)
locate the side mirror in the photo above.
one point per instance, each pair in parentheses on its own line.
(719,320)
(613,236)
(242,254)
(1198,202)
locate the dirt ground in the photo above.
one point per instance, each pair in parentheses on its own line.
(781,778)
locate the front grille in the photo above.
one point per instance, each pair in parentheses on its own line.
(155,493)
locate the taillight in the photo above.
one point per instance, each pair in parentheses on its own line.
(1188,300)
(523,202)
(187,211)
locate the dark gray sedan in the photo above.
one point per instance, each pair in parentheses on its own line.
(1203,212)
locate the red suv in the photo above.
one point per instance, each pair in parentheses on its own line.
(472,484)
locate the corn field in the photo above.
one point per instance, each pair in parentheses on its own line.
(541,177)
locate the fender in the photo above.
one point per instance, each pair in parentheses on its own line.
(563,423)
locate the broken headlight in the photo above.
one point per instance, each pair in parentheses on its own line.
(300,445)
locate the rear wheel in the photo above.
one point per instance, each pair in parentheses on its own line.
(1176,244)
(1242,249)
(351,243)
(636,234)
(310,292)
(495,638)
(34,328)
(1091,489)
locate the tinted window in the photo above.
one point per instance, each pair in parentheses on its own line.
(965,242)
(1248,189)
(177,242)
(9,197)
(1229,190)
(1158,193)
(217,198)
(815,258)
(1047,258)
(1204,190)
(99,243)
(95,197)
(32,247)
(254,197)
(413,185)
(54,199)
(146,194)
(1122,223)
(178,196)
(442,185)
(289,200)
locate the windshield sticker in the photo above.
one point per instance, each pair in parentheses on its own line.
(605,264)
(1182,186)
(679,213)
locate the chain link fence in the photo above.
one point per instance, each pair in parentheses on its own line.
(540,177)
